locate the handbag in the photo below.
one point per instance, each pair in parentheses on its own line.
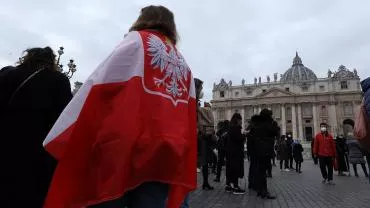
(361,130)
(21,85)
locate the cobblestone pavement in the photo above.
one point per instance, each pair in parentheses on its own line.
(292,190)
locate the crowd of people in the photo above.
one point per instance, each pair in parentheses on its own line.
(134,139)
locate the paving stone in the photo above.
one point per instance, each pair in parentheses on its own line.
(293,190)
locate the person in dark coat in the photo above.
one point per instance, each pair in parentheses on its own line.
(314,157)
(355,152)
(235,154)
(342,152)
(298,156)
(290,142)
(6,69)
(251,154)
(221,134)
(27,114)
(282,153)
(265,131)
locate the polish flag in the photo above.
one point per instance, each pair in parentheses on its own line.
(133,121)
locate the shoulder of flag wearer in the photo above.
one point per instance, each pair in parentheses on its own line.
(126,61)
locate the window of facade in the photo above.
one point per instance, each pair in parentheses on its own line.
(288,112)
(305,89)
(307,110)
(276,111)
(236,94)
(221,115)
(343,85)
(249,92)
(263,90)
(348,109)
(324,111)
(222,94)
(287,89)
(322,88)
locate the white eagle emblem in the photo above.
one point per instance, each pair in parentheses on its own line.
(172,64)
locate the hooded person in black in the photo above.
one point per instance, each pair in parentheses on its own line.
(235,154)
(264,130)
(223,128)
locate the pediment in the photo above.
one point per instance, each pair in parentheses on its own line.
(275,92)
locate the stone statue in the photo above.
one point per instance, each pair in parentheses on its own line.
(268,79)
(355,72)
(214,85)
(330,73)
(255,80)
(243,82)
(230,83)
(275,77)
(259,80)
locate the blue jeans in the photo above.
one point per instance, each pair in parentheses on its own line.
(147,195)
(185,204)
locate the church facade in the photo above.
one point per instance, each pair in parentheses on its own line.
(300,100)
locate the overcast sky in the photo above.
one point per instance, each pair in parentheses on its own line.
(220,39)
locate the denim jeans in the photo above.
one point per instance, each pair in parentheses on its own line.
(147,195)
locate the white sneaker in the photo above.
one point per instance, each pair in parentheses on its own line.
(198,170)
(287,170)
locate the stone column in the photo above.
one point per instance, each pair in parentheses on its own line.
(316,127)
(255,110)
(242,112)
(283,120)
(259,109)
(229,114)
(300,125)
(356,109)
(333,118)
(214,112)
(294,122)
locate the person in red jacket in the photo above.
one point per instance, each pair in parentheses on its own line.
(325,150)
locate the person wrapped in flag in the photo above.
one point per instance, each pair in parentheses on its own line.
(129,133)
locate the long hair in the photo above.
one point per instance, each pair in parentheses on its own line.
(37,58)
(157,18)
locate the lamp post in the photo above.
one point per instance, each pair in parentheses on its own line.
(72,68)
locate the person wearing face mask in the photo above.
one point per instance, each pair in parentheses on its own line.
(325,150)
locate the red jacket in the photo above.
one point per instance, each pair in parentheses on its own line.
(324,145)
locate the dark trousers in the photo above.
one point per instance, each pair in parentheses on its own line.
(205,174)
(363,168)
(252,172)
(150,194)
(298,166)
(291,162)
(285,165)
(273,161)
(220,162)
(269,168)
(315,160)
(261,180)
(326,167)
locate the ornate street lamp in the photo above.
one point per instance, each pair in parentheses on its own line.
(72,68)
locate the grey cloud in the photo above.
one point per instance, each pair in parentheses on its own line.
(220,39)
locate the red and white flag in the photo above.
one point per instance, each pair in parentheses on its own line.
(133,121)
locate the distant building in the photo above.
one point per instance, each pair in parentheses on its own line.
(299,100)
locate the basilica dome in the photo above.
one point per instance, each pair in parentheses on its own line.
(298,72)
